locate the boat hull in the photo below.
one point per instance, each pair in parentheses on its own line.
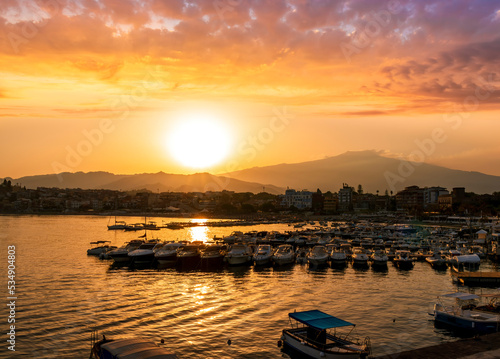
(238,260)
(295,343)
(464,324)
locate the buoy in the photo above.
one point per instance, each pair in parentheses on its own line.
(229,342)
(394,320)
(279,343)
(162,341)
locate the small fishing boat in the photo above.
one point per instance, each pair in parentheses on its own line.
(263,255)
(130,348)
(465,315)
(167,255)
(239,254)
(379,259)
(403,260)
(311,335)
(360,258)
(318,256)
(99,247)
(437,261)
(284,255)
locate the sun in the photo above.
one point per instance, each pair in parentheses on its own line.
(199,140)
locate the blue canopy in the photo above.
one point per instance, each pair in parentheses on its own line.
(319,320)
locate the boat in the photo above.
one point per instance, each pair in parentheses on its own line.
(263,255)
(359,258)
(99,247)
(239,254)
(118,225)
(466,261)
(317,256)
(338,258)
(145,254)
(301,255)
(437,261)
(403,260)
(311,336)
(120,255)
(379,259)
(167,255)
(284,255)
(189,256)
(129,348)
(465,315)
(212,257)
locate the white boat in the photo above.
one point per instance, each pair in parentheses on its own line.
(466,261)
(284,255)
(466,315)
(145,254)
(120,255)
(403,260)
(317,256)
(263,255)
(99,247)
(310,337)
(360,258)
(167,255)
(338,257)
(379,259)
(130,348)
(239,254)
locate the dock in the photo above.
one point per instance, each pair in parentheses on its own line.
(484,347)
(477,278)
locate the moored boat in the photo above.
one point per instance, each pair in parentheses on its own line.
(212,257)
(99,247)
(145,254)
(437,261)
(189,256)
(167,255)
(263,255)
(284,255)
(379,259)
(239,254)
(318,256)
(120,255)
(310,336)
(403,260)
(130,348)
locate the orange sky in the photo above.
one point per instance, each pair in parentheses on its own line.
(106,80)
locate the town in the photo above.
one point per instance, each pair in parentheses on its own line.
(421,203)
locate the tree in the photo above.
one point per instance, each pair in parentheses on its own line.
(360,189)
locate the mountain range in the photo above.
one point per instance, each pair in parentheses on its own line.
(368,168)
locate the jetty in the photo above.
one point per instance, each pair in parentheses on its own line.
(479,279)
(485,347)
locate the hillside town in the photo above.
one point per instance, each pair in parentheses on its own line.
(413,201)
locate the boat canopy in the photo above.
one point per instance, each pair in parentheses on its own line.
(318,320)
(135,349)
(461,296)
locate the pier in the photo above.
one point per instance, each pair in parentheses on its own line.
(485,347)
(477,278)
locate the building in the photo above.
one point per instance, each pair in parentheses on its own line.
(431,196)
(298,199)
(330,202)
(410,199)
(345,198)
(445,202)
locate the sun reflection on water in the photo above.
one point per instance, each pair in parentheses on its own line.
(200,232)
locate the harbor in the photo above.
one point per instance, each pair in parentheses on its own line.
(197,311)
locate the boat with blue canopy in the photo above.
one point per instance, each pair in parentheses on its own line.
(316,334)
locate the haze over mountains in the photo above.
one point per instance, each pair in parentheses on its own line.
(368,168)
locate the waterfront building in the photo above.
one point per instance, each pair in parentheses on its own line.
(298,199)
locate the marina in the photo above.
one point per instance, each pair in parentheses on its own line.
(197,311)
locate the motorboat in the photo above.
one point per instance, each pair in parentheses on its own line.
(379,259)
(167,255)
(99,247)
(338,258)
(212,257)
(465,315)
(437,261)
(311,335)
(263,255)
(145,254)
(189,256)
(403,259)
(317,256)
(239,254)
(359,258)
(120,255)
(466,261)
(130,348)
(283,255)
